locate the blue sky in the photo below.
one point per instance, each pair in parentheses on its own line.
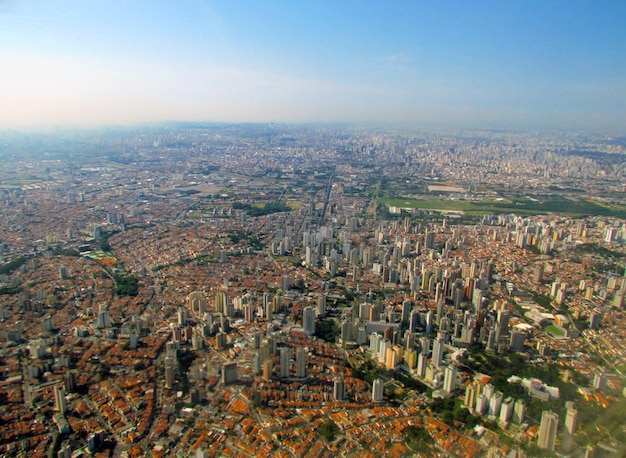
(520,64)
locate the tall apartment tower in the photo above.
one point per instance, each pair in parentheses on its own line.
(506,411)
(438,347)
(301,363)
(471,393)
(321,304)
(197,302)
(229,373)
(170,370)
(547,430)
(104,319)
(308,320)
(449,381)
(247,313)
(60,403)
(378,389)
(570,429)
(285,362)
(519,411)
(268,309)
(339,389)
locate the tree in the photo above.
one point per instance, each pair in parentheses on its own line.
(326,329)
(417,438)
(328,430)
(127,285)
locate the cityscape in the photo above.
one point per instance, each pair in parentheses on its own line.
(352,229)
(202,289)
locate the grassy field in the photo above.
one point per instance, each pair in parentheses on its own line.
(519,206)
(557,332)
(294,204)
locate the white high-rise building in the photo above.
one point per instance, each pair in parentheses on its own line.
(421,364)
(449,381)
(495,403)
(570,429)
(519,411)
(506,411)
(481,404)
(375,339)
(438,348)
(378,389)
(470,396)
(547,430)
(382,350)
(488,390)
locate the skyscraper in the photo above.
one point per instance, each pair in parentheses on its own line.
(482,402)
(197,302)
(301,363)
(267,369)
(421,364)
(308,320)
(495,403)
(502,324)
(570,429)
(382,350)
(69,381)
(60,403)
(247,313)
(375,339)
(378,388)
(339,388)
(517,340)
(470,396)
(519,411)
(268,308)
(321,304)
(104,319)
(406,310)
(429,239)
(506,411)
(229,373)
(170,368)
(547,430)
(449,381)
(285,362)
(437,358)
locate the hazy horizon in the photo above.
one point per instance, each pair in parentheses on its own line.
(523,65)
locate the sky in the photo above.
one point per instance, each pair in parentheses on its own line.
(487,64)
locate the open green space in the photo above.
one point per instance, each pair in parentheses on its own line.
(126,285)
(262,210)
(518,205)
(555,331)
(13,264)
